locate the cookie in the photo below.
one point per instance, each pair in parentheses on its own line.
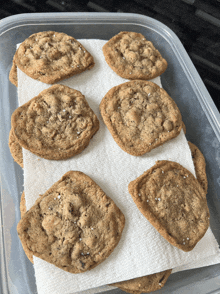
(173,201)
(144,284)
(140,116)
(73,225)
(56,124)
(13,74)
(15,149)
(51,57)
(23,209)
(132,57)
(184,127)
(200,166)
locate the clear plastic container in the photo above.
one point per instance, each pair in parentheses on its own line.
(180,80)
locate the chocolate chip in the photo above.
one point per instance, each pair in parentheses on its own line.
(82,263)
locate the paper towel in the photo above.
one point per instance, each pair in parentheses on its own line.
(141,250)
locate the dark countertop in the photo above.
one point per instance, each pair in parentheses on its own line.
(195,22)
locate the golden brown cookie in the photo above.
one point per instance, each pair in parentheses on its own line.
(184,127)
(13,74)
(51,57)
(133,57)
(56,124)
(140,116)
(200,166)
(73,225)
(15,149)
(144,284)
(23,209)
(173,201)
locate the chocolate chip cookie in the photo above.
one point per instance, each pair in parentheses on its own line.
(184,127)
(140,116)
(52,56)
(131,56)
(13,74)
(23,209)
(200,166)
(174,202)
(56,124)
(144,284)
(15,149)
(73,225)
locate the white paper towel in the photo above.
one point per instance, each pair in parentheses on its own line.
(141,250)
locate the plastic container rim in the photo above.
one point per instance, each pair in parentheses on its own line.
(211,111)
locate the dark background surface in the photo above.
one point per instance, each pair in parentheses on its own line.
(195,22)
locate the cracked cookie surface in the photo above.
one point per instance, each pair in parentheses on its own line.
(140,116)
(131,56)
(52,56)
(15,149)
(200,166)
(174,202)
(56,124)
(74,225)
(144,284)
